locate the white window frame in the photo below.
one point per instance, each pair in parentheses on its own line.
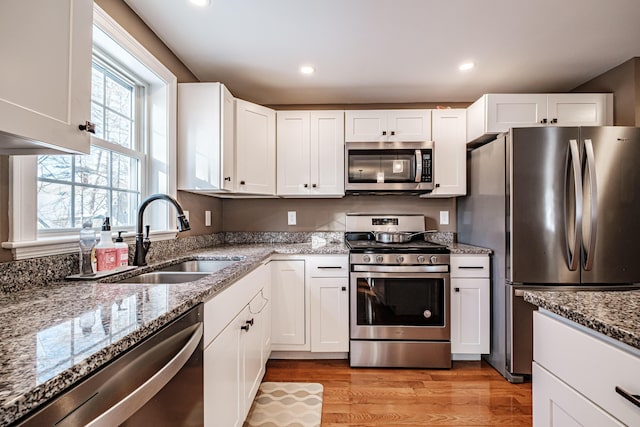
(161,175)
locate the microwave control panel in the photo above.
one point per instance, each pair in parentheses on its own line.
(427,166)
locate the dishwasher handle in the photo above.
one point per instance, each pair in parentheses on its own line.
(128,406)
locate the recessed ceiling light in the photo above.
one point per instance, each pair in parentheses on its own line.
(466,66)
(200,3)
(307,69)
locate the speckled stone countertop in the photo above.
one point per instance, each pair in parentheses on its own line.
(53,336)
(464,249)
(615,314)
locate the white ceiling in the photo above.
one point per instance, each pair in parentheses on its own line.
(395,51)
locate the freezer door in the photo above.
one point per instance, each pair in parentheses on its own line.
(541,170)
(611,205)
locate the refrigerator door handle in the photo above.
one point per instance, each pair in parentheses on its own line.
(573,241)
(593,198)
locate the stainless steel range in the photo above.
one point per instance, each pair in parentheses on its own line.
(399,293)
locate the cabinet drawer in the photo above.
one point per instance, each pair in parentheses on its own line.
(590,364)
(470,266)
(328,266)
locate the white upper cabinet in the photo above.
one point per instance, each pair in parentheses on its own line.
(496,113)
(387,125)
(310,153)
(450,153)
(45,89)
(206,137)
(255,149)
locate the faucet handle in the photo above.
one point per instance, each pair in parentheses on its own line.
(146,231)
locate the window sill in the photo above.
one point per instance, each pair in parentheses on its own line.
(58,245)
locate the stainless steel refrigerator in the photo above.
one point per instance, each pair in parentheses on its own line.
(559,206)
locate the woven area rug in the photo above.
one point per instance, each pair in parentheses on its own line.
(286,405)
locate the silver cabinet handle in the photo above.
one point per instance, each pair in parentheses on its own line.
(128,406)
(633,398)
(329,267)
(593,195)
(470,267)
(573,164)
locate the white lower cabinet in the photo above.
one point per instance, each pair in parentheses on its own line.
(329,283)
(470,306)
(559,405)
(289,328)
(575,375)
(236,347)
(310,298)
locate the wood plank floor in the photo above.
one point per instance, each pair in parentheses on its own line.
(470,394)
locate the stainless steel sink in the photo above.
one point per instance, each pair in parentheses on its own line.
(209,266)
(164,277)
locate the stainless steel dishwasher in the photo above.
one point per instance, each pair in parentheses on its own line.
(158,382)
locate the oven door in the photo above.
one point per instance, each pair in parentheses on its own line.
(399,305)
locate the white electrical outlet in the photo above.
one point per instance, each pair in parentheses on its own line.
(444,217)
(186,215)
(291,218)
(207,218)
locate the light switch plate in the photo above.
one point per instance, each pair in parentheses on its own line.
(291,218)
(207,218)
(444,217)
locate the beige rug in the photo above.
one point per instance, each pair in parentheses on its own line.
(286,405)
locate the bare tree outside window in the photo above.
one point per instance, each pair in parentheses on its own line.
(106,182)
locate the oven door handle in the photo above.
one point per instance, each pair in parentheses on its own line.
(400,269)
(418,166)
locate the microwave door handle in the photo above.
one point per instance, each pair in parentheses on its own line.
(418,166)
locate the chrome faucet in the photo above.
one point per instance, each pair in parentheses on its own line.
(144,243)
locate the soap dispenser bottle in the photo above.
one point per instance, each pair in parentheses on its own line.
(122,251)
(106,250)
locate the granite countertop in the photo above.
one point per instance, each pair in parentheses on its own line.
(53,336)
(615,314)
(463,248)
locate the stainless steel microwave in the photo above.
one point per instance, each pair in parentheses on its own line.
(389,167)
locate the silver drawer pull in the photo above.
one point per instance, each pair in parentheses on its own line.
(330,267)
(470,267)
(633,398)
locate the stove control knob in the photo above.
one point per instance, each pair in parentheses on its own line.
(379,258)
(399,259)
(420,259)
(433,259)
(366,258)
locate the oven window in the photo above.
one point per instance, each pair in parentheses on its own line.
(400,301)
(367,166)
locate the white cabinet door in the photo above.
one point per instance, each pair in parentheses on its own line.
(365,125)
(222,378)
(45,89)
(327,153)
(409,125)
(450,155)
(505,111)
(251,348)
(470,304)
(555,404)
(579,109)
(294,143)
(289,325)
(329,314)
(255,149)
(387,125)
(469,316)
(205,136)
